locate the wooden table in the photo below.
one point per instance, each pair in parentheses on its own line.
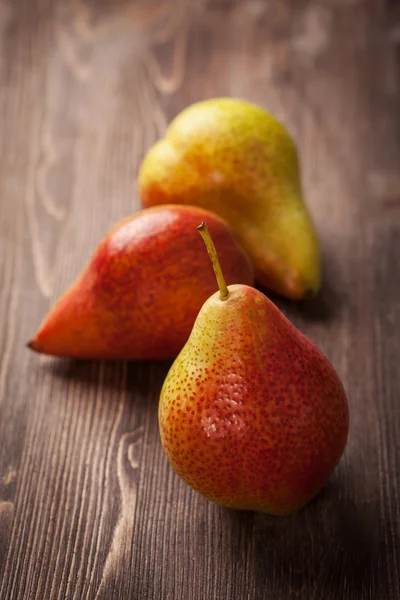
(89,507)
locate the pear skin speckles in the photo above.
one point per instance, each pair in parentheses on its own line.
(251,414)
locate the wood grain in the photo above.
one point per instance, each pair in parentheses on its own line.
(89,508)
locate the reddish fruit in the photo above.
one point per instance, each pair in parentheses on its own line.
(140,295)
(252,415)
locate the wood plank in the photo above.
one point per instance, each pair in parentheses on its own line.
(89,507)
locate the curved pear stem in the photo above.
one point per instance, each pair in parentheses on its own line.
(212,253)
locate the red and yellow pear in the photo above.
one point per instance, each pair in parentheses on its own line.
(252,415)
(140,294)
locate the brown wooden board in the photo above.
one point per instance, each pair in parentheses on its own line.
(89,507)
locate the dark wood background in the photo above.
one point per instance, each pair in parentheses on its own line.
(89,508)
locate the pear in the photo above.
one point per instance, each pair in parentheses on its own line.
(140,294)
(251,414)
(232,157)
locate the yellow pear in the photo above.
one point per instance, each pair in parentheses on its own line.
(231,157)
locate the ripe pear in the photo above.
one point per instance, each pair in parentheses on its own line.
(232,157)
(140,294)
(252,415)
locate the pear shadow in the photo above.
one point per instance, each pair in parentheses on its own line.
(139,374)
(332,548)
(322,308)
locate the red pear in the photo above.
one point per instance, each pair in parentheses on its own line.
(252,415)
(140,295)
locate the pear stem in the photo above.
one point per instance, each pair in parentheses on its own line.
(212,253)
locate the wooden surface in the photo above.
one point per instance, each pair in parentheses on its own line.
(89,508)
